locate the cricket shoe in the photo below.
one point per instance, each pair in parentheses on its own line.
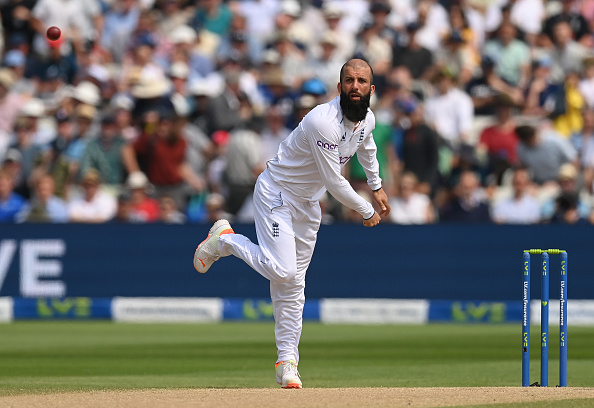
(207,252)
(287,375)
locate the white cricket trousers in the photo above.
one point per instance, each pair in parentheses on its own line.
(287,230)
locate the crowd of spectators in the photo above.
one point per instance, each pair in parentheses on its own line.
(167,110)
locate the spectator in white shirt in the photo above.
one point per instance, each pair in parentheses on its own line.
(411,207)
(94,205)
(522,207)
(451,112)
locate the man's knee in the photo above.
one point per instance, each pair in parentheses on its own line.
(285,274)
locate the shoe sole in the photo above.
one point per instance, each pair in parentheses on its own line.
(213,231)
(292,386)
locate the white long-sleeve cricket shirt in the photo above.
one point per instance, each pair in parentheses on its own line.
(310,159)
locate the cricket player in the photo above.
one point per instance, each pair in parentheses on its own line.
(287,210)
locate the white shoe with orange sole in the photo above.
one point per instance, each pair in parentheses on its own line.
(287,375)
(207,252)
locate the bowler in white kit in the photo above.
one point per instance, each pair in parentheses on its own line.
(287,209)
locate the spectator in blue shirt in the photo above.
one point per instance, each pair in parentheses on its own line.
(45,206)
(11,203)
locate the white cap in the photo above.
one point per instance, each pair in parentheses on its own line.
(179,70)
(183,35)
(87,92)
(137,180)
(33,108)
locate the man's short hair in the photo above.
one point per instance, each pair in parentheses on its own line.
(349,63)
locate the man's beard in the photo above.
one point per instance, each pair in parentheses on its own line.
(354,111)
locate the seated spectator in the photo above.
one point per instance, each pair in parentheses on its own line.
(420,146)
(11,204)
(415,57)
(10,104)
(522,207)
(543,97)
(169,212)
(487,89)
(142,208)
(468,204)
(584,144)
(164,155)
(543,152)
(109,154)
(45,206)
(93,205)
(500,140)
(571,203)
(410,206)
(586,85)
(215,208)
(31,154)
(511,56)
(570,121)
(568,55)
(64,155)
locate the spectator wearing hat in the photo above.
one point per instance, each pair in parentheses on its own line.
(120,21)
(303,105)
(109,154)
(141,207)
(326,66)
(380,11)
(163,155)
(277,92)
(451,114)
(34,110)
(274,132)
(93,205)
(570,204)
(511,56)
(293,60)
(64,155)
(373,48)
(345,39)
(16,61)
(412,55)
(185,43)
(457,57)
(543,151)
(44,205)
(433,24)
(10,105)
(32,155)
(522,207)
(12,204)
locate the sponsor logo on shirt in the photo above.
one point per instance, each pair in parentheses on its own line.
(326,145)
(343,160)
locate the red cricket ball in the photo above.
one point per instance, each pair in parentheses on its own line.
(53,33)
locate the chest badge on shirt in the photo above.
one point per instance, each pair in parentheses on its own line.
(275,230)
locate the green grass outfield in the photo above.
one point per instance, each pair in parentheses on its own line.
(39,357)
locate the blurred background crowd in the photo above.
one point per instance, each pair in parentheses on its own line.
(167,110)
